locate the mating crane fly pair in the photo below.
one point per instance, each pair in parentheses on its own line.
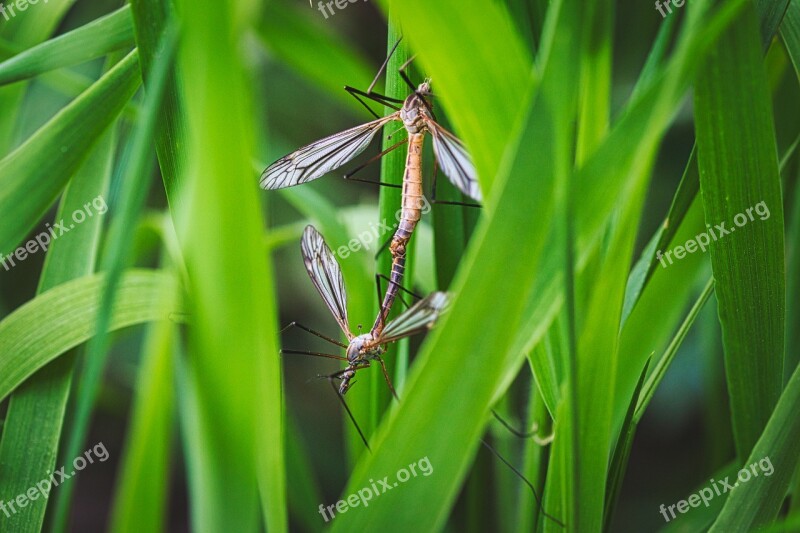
(416,114)
(325,155)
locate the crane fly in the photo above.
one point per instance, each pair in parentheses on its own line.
(416,114)
(361,350)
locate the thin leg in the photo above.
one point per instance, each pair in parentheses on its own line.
(378,287)
(313,332)
(349,175)
(381,99)
(404,75)
(407,291)
(315,354)
(350,414)
(383,67)
(386,377)
(518,433)
(384,246)
(525,480)
(444,202)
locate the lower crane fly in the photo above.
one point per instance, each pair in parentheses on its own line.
(361,350)
(416,114)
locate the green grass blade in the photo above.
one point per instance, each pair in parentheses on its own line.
(72,133)
(237,447)
(642,124)
(621,456)
(748,265)
(790,32)
(793,287)
(36,410)
(141,496)
(595,90)
(757,501)
(663,362)
(690,181)
(22,33)
(70,310)
(135,170)
(150,20)
(303,488)
(96,39)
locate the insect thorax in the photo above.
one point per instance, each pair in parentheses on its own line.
(363,348)
(412,114)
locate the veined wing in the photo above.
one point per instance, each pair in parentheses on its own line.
(419,317)
(326,275)
(454,160)
(318,158)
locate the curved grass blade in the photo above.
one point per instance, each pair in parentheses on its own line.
(151,19)
(36,410)
(757,502)
(22,33)
(135,172)
(748,265)
(70,311)
(790,31)
(96,39)
(71,133)
(690,181)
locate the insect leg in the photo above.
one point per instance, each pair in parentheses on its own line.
(381,99)
(315,354)
(383,67)
(349,413)
(445,202)
(313,332)
(386,377)
(379,277)
(349,175)
(541,441)
(404,75)
(525,480)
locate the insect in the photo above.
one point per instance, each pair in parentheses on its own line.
(416,114)
(361,350)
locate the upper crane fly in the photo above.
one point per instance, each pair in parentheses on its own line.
(416,113)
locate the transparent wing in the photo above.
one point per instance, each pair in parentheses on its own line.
(318,158)
(454,160)
(419,317)
(326,275)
